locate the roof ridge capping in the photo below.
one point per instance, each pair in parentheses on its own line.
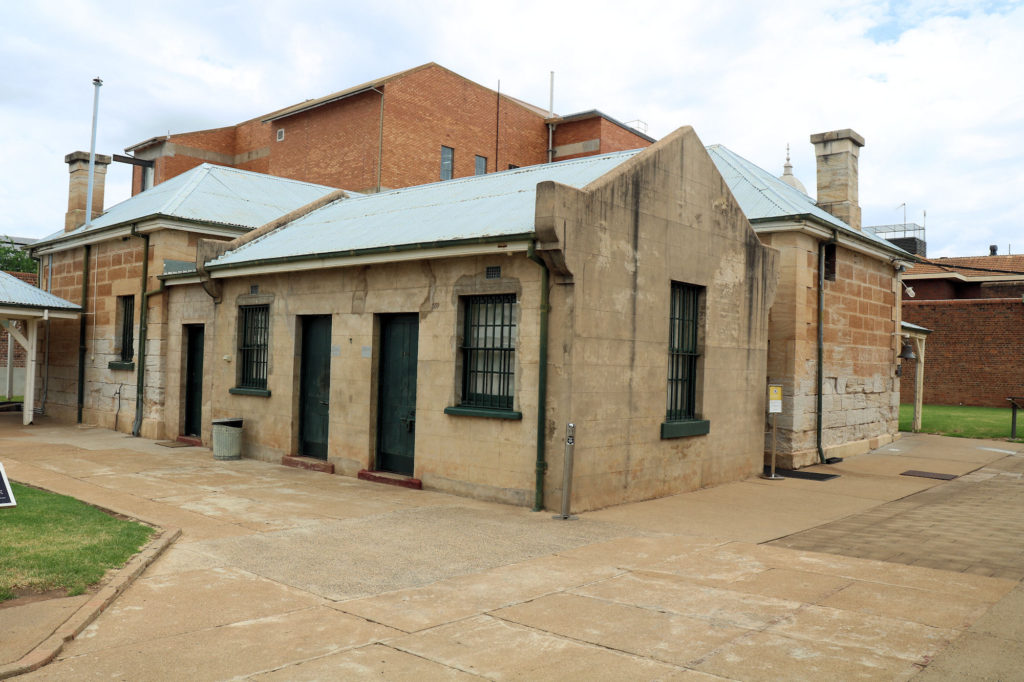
(208,250)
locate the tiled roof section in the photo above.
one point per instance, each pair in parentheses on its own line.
(493,205)
(962,265)
(210,194)
(14,292)
(763,197)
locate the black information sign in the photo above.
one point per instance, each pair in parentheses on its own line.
(6,495)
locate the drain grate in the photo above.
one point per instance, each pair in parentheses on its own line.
(809,475)
(929,474)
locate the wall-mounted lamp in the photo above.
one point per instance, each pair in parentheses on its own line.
(908,289)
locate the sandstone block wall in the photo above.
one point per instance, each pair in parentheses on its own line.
(860,393)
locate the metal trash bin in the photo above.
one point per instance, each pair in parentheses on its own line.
(227,438)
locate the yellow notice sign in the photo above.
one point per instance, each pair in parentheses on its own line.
(774,398)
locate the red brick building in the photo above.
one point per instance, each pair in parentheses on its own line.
(410,128)
(974,306)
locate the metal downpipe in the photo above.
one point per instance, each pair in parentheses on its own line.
(542,379)
(81,330)
(821,347)
(143,322)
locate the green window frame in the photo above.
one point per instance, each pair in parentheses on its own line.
(253,346)
(126,331)
(684,353)
(488,351)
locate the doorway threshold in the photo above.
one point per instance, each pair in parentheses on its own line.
(388,478)
(308,463)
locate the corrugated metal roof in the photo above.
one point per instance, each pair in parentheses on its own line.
(466,208)
(213,194)
(14,292)
(762,196)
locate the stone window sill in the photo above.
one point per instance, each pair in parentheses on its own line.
(682,429)
(261,392)
(463,411)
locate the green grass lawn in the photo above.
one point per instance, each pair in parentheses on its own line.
(963,421)
(51,541)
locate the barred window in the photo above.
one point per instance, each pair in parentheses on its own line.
(253,337)
(488,351)
(481,165)
(683,352)
(126,327)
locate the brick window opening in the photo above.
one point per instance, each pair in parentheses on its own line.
(125,328)
(683,352)
(488,351)
(253,343)
(280,134)
(447,163)
(481,165)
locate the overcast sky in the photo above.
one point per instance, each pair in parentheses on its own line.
(936,87)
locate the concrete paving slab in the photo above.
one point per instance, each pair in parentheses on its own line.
(446,601)
(888,637)
(784,583)
(769,657)
(499,650)
(186,602)
(856,485)
(407,548)
(906,603)
(651,633)
(181,559)
(642,552)
(21,626)
(237,649)
(375,661)
(142,484)
(976,656)
(884,465)
(677,595)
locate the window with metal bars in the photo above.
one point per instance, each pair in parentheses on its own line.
(253,337)
(488,351)
(126,327)
(683,352)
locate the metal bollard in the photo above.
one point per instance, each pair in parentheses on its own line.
(570,444)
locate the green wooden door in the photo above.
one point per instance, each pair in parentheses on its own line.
(396,420)
(194,334)
(315,386)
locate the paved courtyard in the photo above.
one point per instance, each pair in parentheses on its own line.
(281,573)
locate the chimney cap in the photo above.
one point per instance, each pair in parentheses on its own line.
(84,156)
(844,134)
(993,249)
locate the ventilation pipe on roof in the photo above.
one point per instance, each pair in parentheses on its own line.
(551,126)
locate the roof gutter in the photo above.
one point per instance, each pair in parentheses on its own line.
(317,259)
(854,241)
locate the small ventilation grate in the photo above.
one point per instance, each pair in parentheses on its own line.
(493,272)
(280,134)
(254,289)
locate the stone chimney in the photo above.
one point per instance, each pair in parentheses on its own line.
(837,153)
(78,188)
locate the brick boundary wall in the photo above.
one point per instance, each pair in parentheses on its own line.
(19,352)
(974,355)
